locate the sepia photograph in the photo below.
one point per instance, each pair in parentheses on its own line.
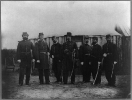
(65,50)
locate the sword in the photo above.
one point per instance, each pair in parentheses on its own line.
(96,74)
(112,70)
(73,62)
(98,70)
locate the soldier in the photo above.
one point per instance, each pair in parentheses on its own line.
(68,49)
(42,58)
(110,58)
(85,59)
(55,54)
(96,56)
(24,58)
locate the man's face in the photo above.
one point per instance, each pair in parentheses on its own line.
(86,40)
(55,40)
(25,37)
(108,39)
(41,37)
(95,41)
(68,38)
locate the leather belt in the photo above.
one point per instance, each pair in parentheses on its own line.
(44,52)
(87,54)
(25,52)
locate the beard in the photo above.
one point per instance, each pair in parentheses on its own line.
(25,38)
(86,42)
(94,43)
(54,41)
(68,39)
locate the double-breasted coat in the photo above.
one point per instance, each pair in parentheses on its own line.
(42,50)
(25,52)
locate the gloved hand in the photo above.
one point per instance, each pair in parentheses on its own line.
(19,61)
(52,56)
(38,61)
(104,54)
(82,63)
(115,62)
(99,63)
(89,63)
(33,60)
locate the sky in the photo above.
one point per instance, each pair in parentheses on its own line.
(59,17)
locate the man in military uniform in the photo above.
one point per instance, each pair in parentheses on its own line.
(55,54)
(85,59)
(96,56)
(110,58)
(42,58)
(24,58)
(68,49)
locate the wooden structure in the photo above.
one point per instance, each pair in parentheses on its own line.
(122,42)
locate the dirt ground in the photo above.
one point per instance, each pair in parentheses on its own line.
(11,90)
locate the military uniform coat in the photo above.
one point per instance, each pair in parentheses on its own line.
(56,52)
(96,53)
(67,51)
(85,50)
(42,50)
(111,50)
(24,53)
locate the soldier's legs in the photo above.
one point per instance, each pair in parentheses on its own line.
(113,79)
(55,69)
(65,76)
(41,75)
(98,79)
(83,72)
(59,75)
(94,69)
(108,72)
(21,75)
(88,74)
(46,74)
(108,76)
(73,77)
(28,72)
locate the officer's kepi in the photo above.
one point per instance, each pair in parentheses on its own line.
(41,34)
(108,35)
(69,34)
(25,34)
(86,37)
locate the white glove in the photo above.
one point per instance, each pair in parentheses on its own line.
(89,63)
(52,56)
(99,63)
(115,62)
(82,63)
(104,54)
(48,53)
(19,61)
(38,61)
(33,60)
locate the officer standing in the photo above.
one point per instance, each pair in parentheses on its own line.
(96,57)
(110,59)
(55,54)
(42,58)
(85,59)
(24,50)
(68,50)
